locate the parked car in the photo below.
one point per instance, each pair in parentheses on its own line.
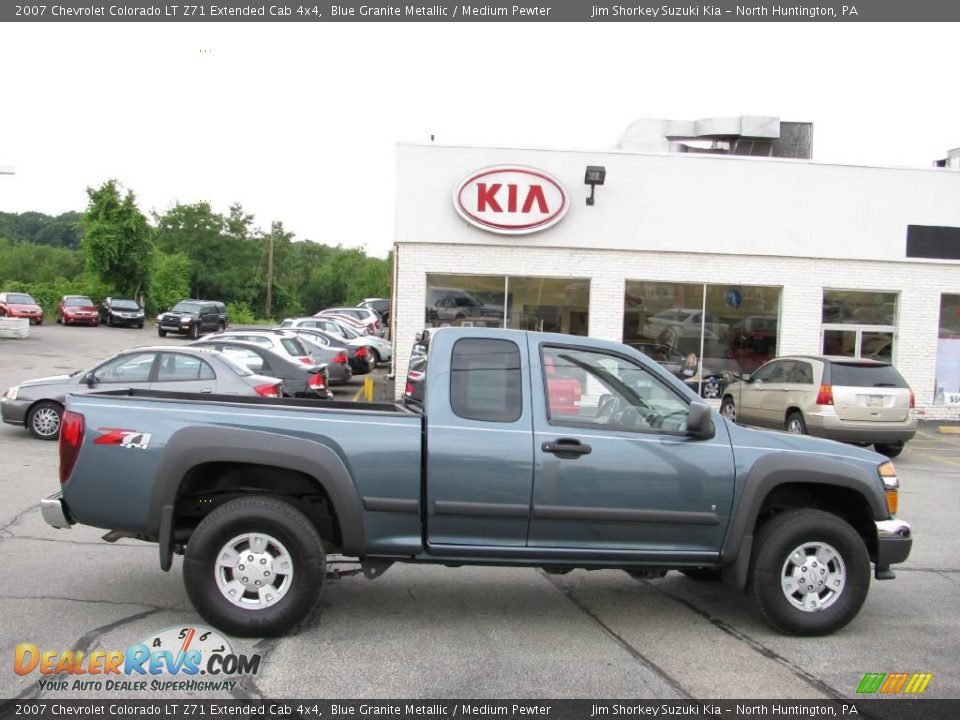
(381,306)
(714,379)
(333,354)
(283,342)
(359,356)
(380,348)
(38,404)
(299,380)
(643,477)
(77,310)
(20,305)
(366,317)
(463,306)
(858,401)
(668,327)
(193,318)
(121,311)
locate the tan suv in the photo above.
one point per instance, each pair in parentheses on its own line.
(857,401)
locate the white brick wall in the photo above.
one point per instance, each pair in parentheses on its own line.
(803,280)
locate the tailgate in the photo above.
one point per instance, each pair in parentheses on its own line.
(874,404)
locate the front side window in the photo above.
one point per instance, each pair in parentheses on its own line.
(775,372)
(181,368)
(133,368)
(586,387)
(485,380)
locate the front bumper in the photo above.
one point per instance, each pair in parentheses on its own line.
(54,511)
(894,541)
(14,412)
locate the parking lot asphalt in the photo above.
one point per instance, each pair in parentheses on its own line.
(471,632)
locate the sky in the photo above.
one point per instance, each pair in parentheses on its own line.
(299,122)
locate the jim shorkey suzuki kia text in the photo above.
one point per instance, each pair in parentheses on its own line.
(514,449)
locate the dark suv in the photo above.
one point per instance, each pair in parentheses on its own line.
(193,317)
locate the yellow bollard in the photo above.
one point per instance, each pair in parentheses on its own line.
(368,388)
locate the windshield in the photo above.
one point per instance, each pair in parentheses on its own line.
(347,332)
(866,375)
(124,305)
(78,302)
(20,299)
(185,307)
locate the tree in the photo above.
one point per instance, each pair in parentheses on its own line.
(117,240)
(169,281)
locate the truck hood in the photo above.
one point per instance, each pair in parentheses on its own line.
(776,440)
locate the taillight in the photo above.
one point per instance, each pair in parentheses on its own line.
(268,390)
(913,400)
(825,395)
(305,360)
(316,380)
(376,324)
(340,359)
(361,352)
(71,437)
(408,390)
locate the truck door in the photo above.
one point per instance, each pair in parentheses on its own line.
(479,452)
(614,469)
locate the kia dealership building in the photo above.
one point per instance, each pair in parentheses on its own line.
(713,237)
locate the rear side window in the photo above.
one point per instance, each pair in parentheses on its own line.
(802,374)
(293,346)
(485,380)
(865,375)
(179,368)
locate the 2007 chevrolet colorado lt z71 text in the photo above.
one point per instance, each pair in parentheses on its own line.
(525,449)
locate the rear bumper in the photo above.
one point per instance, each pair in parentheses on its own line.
(54,511)
(894,542)
(832,427)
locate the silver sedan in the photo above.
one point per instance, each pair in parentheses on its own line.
(38,404)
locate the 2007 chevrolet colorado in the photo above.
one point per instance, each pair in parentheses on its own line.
(527,449)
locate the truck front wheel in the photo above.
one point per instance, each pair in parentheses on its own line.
(810,573)
(254,567)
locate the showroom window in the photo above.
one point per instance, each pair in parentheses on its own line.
(859,324)
(947,385)
(707,334)
(524,303)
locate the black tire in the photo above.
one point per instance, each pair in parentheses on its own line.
(703,574)
(374,357)
(39,322)
(140,326)
(43,420)
(891,450)
(109,321)
(282,522)
(777,540)
(221,327)
(161,333)
(795,424)
(194,331)
(728,409)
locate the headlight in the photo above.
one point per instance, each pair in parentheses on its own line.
(891,486)
(11,393)
(185,321)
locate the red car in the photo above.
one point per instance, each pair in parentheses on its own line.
(77,309)
(20,305)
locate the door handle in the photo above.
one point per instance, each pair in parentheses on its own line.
(206,390)
(566,448)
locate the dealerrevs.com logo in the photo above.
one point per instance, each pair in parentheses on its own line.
(183,658)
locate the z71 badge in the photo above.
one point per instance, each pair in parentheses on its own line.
(123,438)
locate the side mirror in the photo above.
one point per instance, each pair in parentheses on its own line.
(700,421)
(91,379)
(746,377)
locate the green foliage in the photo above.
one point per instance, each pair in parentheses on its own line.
(27,263)
(169,281)
(240,313)
(117,240)
(191,252)
(33,227)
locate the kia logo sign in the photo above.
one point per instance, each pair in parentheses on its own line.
(510,199)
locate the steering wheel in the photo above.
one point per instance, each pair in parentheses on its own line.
(607,409)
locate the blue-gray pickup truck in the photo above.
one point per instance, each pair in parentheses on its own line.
(513,448)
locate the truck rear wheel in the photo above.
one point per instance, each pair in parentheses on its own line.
(254,567)
(810,573)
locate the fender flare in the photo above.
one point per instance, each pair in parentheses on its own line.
(192,446)
(772,471)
